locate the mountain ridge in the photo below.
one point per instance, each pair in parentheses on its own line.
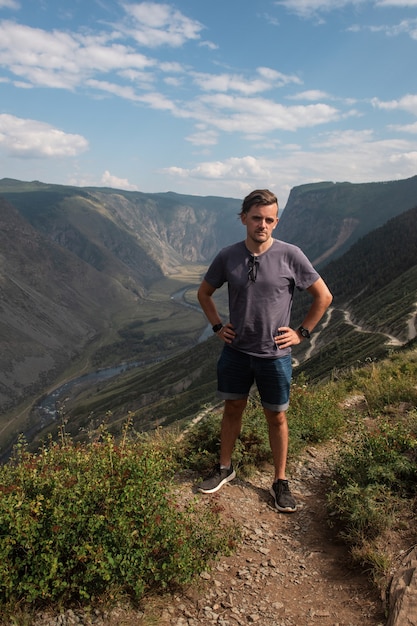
(326,219)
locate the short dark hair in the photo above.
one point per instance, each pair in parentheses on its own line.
(258,196)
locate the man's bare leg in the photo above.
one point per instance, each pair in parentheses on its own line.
(230,429)
(278,440)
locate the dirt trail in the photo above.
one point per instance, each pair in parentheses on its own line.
(290,570)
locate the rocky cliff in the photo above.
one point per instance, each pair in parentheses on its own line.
(326,219)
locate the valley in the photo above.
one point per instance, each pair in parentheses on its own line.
(98,290)
(169,309)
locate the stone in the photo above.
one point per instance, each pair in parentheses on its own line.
(403,593)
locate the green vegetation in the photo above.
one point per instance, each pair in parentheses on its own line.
(374,488)
(80,522)
(315,414)
(372,473)
(105,520)
(314,417)
(375,260)
(201,445)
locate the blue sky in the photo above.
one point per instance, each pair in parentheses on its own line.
(208,97)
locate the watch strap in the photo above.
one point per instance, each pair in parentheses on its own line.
(304,332)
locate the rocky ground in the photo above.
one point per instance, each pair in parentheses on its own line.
(290,570)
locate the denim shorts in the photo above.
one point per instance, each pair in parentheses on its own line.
(237,371)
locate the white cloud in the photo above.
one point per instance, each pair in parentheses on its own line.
(404,128)
(208,44)
(235,168)
(9,4)
(278,78)
(406,103)
(396,3)
(61,60)
(312,95)
(353,156)
(343,139)
(203,138)
(157,24)
(259,115)
(159,102)
(128,93)
(269,79)
(310,8)
(108,180)
(33,139)
(408,27)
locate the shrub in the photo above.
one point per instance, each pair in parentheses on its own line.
(314,415)
(370,475)
(79,520)
(388,382)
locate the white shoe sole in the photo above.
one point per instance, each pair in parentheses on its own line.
(220,485)
(281,509)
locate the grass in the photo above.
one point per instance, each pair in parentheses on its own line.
(103,519)
(375,472)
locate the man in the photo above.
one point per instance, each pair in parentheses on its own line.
(261,273)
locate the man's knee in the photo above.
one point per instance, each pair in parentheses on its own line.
(234,408)
(276,418)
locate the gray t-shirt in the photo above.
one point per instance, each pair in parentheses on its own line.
(258,308)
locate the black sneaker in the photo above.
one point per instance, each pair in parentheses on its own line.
(217,479)
(284,501)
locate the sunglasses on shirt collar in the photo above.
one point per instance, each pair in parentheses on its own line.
(253,265)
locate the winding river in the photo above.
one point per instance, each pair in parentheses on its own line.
(47,407)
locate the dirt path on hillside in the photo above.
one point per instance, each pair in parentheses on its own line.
(289,570)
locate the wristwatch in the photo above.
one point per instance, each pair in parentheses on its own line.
(304,332)
(217,327)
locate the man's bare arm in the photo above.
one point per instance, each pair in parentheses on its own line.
(205,298)
(322,299)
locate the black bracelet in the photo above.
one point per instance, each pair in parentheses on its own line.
(217,327)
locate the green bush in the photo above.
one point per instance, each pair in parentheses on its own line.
(370,475)
(79,521)
(314,415)
(386,383)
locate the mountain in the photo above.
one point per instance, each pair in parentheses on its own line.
(144,234)
(52,303)
(374,310)
(72,258)
(78,269)
(326,219)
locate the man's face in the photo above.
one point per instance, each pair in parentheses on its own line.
(260,221)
